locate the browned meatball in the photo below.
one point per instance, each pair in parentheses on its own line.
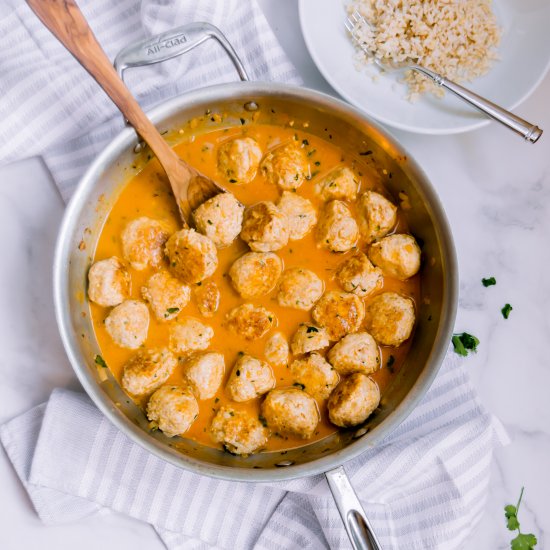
(291,411)
(353,401)
(377,215)
(249,378)
(193,257)
(299,288)
(108,282)
(238,159)
(173,409)
(142,242)
(147,370)
(207,296)
(337,229)
(265,227)
(249,321)
(355,353)
(339,312)
(314,375)
(286,165)
(390,318)
(255,273)
(396,255)
(358,275)
(238,431)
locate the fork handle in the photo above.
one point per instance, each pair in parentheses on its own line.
(529,131)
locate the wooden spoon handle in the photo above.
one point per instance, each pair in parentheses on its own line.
(67,23)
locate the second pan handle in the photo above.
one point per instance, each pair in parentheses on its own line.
(174,43)
(357,525)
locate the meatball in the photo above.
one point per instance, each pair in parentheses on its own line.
(238,431)
(300,214)
(238,159)
(190,335)
(337,230)
(173,409)
(286,165)
(339,312)
(142,242)
(255,273)
(249,378)
(220,219)
(265,227)
(353,401)
(377,215)
(340,183)
(166,295)
(276,349)
(193,257)
(291,411)
(147,370)
(205,373)
(249,321)
(389,318)
(309,338)
(207,296)
(315,375)
(396,255)
(299,288)
(358,275)
(108,282)
(128,323)
(355,353)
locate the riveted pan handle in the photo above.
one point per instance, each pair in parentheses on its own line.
(173,44)
(357,525)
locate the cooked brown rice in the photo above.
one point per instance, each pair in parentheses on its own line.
(456,38)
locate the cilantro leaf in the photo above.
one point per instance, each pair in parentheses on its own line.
(506,310)
(171,310)
(510,512)
(489,281)
(311,329)
(98,360)
(524,542)
(463,343)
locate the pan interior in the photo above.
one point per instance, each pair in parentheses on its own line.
(324,117)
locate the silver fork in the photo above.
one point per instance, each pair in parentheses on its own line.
(529,131)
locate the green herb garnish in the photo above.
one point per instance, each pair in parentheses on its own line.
(463,343)
(98,360)
(299,385)
(263,421)
(523,541)
(506,311)
(490,281)
(312,329)
(171,310)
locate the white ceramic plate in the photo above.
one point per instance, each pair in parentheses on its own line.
(524,59)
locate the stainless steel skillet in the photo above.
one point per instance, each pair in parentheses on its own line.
(275,104)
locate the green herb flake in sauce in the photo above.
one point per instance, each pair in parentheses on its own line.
(98,360)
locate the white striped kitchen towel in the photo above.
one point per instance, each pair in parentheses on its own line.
(423,487)
(50,106)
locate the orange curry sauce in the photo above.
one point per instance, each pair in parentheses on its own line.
(148,194)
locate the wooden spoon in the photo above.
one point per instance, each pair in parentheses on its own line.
(67,23)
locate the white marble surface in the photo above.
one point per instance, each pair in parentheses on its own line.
(496,191)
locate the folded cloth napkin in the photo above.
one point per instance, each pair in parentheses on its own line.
(422,488)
